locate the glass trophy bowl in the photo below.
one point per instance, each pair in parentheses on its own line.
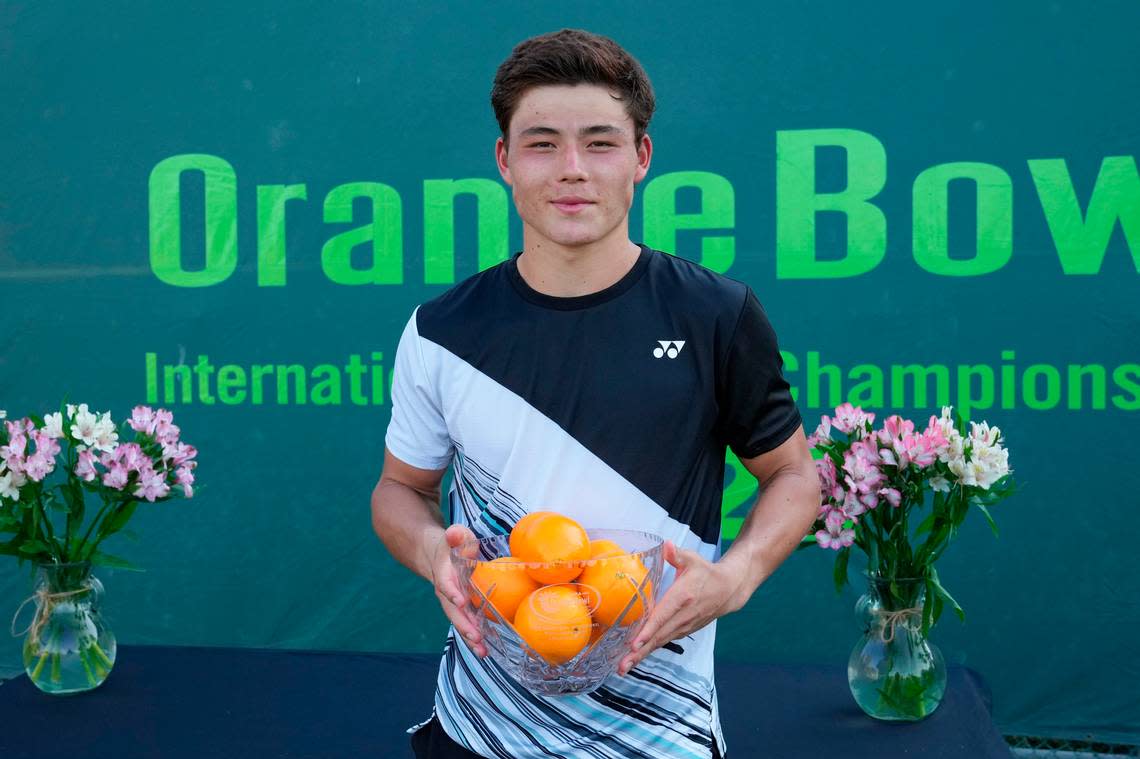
(618,601)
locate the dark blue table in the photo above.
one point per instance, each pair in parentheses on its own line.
(216,703)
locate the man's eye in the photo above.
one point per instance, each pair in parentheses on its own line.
(599,143)
(541,145)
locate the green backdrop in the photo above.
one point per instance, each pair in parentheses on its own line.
(949,188)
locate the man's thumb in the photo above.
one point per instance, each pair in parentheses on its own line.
(674,555)
(457,534)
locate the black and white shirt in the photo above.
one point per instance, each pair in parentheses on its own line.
(614,408)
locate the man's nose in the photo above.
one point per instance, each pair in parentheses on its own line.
(572,166)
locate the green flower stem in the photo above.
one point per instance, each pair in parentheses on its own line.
(39,666)
(101,654)
(82,543)
(56,676)
(83,654)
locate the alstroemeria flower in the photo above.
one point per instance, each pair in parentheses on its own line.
(849,418)
(116,476)
(142,419)
(84,424)
(85,467)
(892,496)
(860,466)
(151,485)
(822,433)
(8,488)
(106,436)
(53,425)
(185,478)
(835,537)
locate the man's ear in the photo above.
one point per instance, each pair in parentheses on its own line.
(644,156)
(501,159)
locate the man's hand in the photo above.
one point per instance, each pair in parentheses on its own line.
(701,592)
(454,602)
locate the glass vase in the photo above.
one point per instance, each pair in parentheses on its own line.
(895,672)
(68,648)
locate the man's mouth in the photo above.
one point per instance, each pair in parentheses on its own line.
(571,204)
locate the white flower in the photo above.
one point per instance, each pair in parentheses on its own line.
(53,425)
(988,464)
(3,414)
(7,488)
(940,484)
(71,409)
(106,438)
(961,471)
(945,423)
(984,434)
(84,427)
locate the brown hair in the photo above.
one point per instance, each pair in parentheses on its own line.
(572,56)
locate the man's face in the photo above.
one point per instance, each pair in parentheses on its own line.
(572,163)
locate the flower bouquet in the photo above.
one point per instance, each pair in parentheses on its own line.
(51,469)
(900,495)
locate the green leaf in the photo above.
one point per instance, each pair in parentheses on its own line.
(926,524)
(840,574)
(928,610)
(33,546)
(99,558)
(118,518)
(990,519)
(941,594)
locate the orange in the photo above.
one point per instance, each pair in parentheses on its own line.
(545,536)
(555,621)
(505,584)
(522,527)
(603,547)
(616,577)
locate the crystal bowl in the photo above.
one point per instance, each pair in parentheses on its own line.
(609,641)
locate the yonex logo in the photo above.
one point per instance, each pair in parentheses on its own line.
(668,348)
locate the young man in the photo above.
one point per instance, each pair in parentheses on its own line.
(595,377)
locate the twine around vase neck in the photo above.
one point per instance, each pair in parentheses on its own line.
(46,604)
(892,618)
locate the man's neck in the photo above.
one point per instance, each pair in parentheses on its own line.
(570,272)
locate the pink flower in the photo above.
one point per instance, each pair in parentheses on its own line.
(142,419)
(835,537)
(39,466)
(165,430)
(14,451)
(822,433)
(129,455)
(854,505)
(892,496)
(178,453)
(825,468)
(185,478)
(151,485)
(894,428)
(116,475)
(19,427)
(850,418)
(85,467)
(860,465)
(45,443)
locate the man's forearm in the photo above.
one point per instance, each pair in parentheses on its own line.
(409,524)
(772,530)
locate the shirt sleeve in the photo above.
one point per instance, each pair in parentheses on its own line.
(756,410)
(417,432)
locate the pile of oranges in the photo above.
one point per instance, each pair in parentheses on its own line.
(579,591)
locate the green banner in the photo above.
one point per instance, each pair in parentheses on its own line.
(230,212)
